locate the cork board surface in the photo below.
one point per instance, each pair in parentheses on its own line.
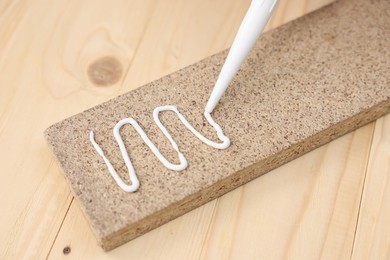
(303,85)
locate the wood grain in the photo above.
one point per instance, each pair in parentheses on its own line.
(373,235)
(46,49)
(305,200)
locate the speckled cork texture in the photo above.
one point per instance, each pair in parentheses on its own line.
(305,84)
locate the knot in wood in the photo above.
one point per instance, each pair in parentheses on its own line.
(105,71)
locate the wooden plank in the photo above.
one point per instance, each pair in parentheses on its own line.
(338,101)
(45,51)
(187,33)
(31,224)
(178,239)
(309,199)
(373,234)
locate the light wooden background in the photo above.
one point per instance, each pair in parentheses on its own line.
(333,203)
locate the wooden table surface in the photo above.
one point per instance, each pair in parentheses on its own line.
(58,58)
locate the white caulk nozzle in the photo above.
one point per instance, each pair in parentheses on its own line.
(251,27)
